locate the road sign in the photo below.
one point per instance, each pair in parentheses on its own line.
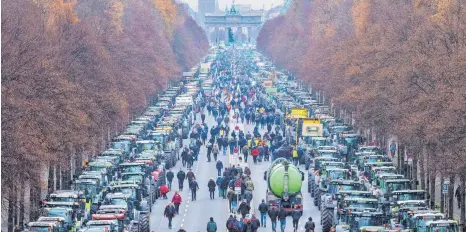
(445,187)
(237,190)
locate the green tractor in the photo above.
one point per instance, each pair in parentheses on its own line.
(74,200)
(356,221)
(442,225)
(313,172)
(418,221)
(93,192)
(326,176)
(329,201)
(137,211)
(47,226)
(64,224)
(110,225)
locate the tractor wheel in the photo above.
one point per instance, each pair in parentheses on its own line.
(326,219)
(144,223)
(316,197)
(133,228)
(153,190)
(312,187)
(309,186)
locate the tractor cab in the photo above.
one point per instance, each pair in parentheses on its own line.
(333,174)
(92,190)
(358,157)
(406,195)
(347,143)
(111,212)
(344,186)
(387,186)
(316,141)
(357,203)
(44,226)
(381,170)
(143,145)
(132,167)
(365,221)
(442,226)
(328,154)
(125,143)
(62,224)
(384,177)
(419,221)
(102,166)
(366,167)
(133,190)
(120,201)
(372,159)
(115,153)
(103,225)
(374,149)
(331,148)
(137,177)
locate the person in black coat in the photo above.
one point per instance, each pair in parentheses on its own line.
(170,177)
(194,187)
(219,166)
(273,215)
(180,176)
(211,185)
(244,208)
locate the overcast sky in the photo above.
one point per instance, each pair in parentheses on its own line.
(255,4)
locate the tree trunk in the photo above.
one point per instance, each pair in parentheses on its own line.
(421,168)
(442,196)
(463,199)
(414,170)
(432,188)
(451,196)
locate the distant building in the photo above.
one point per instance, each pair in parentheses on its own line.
(206,7)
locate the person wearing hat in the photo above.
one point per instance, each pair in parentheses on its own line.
(211,225)
(211,185)
(309,226)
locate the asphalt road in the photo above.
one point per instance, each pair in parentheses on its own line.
(194,215)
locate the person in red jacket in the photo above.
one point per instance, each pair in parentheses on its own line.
(163,191)
(255,154)
(177,201)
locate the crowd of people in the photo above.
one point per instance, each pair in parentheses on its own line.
(235,100)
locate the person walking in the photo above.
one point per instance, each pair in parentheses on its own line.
(255,154)
(170,177)
(203,117)
(458,196)
(219,167)
(231,223)
(255,223)
(309,226)
(295,156)
(180,176)
(169,213)
(215,151)
(163,191)
(211,225)
(393,149)
(244,208)
(176,200)
(211,185)
(273,214)
(295,215)
(190,175)
(219,186)
(194,187)
(282,218)
(245,151)
(263,209)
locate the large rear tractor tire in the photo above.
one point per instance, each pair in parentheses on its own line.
(144,223)
(316,197)
(309,185)
(326,219)
(312,187)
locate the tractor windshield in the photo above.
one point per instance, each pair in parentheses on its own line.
(328,154)
(135,168)
(409,196)
(443,228)
(90,189)
(118,201)
(351,141)
(421,221)
(98,168)
(316,143)
(136,177)
(123,145)
(335,188)
(362,204)
(360,221)
(397,186)
(57,213)
(63,199)
(40,228)
(373,159)
(146,146)
(335,175)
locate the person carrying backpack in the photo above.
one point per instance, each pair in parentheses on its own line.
(211,225)
(309,226)
(240,226)
(255,223)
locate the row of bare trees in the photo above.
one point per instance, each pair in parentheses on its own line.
(73,74)
(398,65)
